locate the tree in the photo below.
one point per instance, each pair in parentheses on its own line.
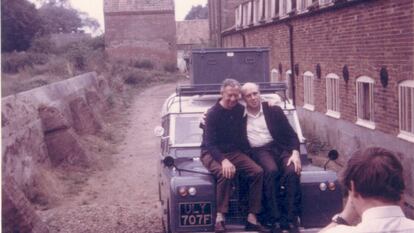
(197,12)
(59,17)
(20,23)
(56,19)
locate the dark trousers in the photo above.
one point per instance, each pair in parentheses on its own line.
(277,174)
(246,167)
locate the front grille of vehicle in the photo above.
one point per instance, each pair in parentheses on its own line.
(238,204)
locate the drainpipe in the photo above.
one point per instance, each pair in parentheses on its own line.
(220,20)
(292,63)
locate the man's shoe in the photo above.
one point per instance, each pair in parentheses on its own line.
(219,227)
(256,227)
(276,228)
(293,228)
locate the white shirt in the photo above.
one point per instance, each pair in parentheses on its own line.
(384,219)
(257,132)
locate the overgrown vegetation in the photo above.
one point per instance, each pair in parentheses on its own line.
(197,12)
(33,56)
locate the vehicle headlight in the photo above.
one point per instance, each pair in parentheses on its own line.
(331,186)
(323,186)
(192,191)
(183,191)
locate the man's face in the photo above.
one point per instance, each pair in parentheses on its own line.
(251,96)
(230,96)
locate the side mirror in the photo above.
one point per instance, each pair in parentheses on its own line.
(333,155)
(168,161)
(159,131)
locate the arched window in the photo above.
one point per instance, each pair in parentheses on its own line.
(365,101)
(308,92)
(332,95)
(406,109)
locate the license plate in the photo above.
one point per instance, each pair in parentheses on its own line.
(195,214)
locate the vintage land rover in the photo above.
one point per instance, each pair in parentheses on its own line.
(186,188)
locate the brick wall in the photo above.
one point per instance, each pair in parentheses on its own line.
(138,5)
(221,17)
(143,31)
(365,36)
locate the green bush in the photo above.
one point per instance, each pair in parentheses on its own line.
(142,64)
(39,58)
(77,54)
(170,67)
(43,45)
(13,62)
(97,43)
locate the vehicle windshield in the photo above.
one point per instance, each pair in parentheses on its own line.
(186,130)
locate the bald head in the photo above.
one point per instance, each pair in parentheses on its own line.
(249,87)
(251,95)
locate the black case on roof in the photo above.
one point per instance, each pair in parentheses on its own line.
(213,65)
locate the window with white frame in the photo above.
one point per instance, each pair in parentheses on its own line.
(325,2)
(238,15)
(274,76)
(284,7)
(332,95)
(247,13)
(308,91)
(303,5)
(406,109)
(288,80)
(270,9)
(258,11)
(365,101)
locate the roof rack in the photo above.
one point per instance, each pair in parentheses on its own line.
(211,89)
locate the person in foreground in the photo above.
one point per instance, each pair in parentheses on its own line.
(275,147)
(222,153)
(374,181)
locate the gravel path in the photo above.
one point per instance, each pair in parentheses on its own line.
(123,198)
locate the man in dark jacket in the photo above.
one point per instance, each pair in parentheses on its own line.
(275,147)
(223,154)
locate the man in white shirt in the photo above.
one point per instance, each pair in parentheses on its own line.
(275,147)
(374,181)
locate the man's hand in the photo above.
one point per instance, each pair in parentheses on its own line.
(295,159)
(228,169)
(203,118)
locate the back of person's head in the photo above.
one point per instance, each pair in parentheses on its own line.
(376,173)
(229,82)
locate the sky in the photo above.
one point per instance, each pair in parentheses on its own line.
(95,8)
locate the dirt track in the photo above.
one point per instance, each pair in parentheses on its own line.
(124,197)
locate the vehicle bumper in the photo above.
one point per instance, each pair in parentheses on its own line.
(240,229)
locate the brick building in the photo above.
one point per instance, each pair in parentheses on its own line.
(221,17)
(352,62)
(141,29)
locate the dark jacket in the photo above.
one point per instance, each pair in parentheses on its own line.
(223,131)
(285,137)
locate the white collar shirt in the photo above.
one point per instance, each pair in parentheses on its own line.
(257,132)
(384,219)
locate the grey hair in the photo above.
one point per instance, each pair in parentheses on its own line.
(229,82)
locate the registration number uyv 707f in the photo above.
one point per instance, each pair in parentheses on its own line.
(195,214)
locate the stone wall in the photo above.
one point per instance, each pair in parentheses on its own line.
(24,147)
(40,132)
